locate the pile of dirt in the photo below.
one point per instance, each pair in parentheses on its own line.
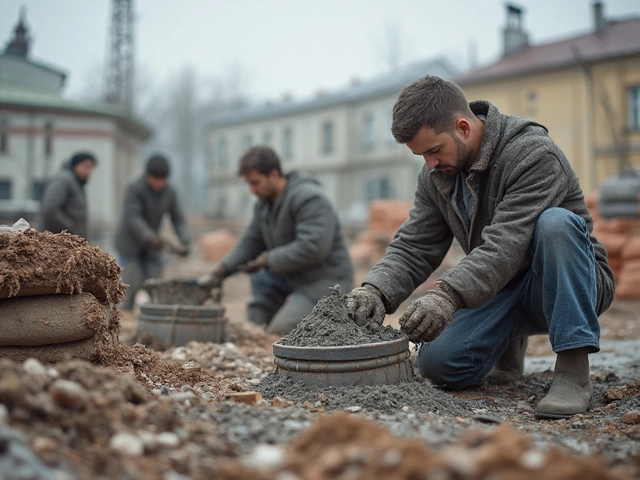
(329,325)
(36,263)
(414,396)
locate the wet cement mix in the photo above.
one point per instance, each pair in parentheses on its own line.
(329,325)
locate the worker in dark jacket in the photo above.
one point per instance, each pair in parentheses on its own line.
(138,240)
(293,247)
(505,191)
(64,202)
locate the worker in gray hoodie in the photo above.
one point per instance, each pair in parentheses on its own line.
(293,247)
(138,242)
(64,201)
(505,191)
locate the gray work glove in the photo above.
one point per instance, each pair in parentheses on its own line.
(215,278)
(428,316)
(260,262)
(365,307)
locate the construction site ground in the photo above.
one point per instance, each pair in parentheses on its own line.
(179,413)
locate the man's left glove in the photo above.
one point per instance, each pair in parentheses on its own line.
(428,316)
(259,262)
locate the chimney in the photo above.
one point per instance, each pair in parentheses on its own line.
(599,21)
(515,38)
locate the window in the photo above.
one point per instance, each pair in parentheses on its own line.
(37,189)
(48,138)
(327,137)
(247,141)
(287,143)
(267,137)
(634,107)
(222,152)
(368,131)
(378,188)
(5,189)
(4,134)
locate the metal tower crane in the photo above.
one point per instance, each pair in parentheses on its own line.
(119,88)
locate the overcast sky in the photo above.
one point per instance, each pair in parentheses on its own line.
(294,46)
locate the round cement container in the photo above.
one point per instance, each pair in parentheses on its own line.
(369,364)
(178,324)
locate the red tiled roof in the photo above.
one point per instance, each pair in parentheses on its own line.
(618,39)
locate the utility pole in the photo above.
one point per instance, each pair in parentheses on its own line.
(119,88)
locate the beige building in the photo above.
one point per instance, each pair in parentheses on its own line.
(343,138)
(40,129)
(584,89)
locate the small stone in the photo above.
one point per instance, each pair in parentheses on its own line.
(532,398)
(167,439)
(53,373)
(34,368)
(192,366)
(186,388)
(353,409)
(164,390)
(250,398)
(532,459)
(632,417)
(127,444)
(281,402)
(44,445)
(524,407)
(179,354)
(406,408)
(69,394)
(265,457)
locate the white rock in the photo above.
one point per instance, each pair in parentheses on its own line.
(265,457)
(127,444)
(34,368)
(53,373)
(532,459)
(353,409)
(167,439)
(179,354)
(68,393)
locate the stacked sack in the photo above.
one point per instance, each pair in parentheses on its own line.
(621,237)
(58,296)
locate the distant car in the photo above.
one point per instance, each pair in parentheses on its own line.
(13,210)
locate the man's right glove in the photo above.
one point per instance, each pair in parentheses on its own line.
(364,305)
(215,278)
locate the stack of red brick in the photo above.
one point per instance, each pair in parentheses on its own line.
(621,236)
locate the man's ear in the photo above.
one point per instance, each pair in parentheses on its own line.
(464,127)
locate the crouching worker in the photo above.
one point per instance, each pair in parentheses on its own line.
(293,247)
(507,193)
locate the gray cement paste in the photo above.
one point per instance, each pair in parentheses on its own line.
(416,395)
(176,292)
(329,325)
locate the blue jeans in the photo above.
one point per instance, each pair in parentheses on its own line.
(557,295)
(284,306)
(135,270)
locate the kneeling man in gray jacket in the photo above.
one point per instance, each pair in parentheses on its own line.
(293,246)
(504,190)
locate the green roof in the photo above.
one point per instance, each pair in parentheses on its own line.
(18,96)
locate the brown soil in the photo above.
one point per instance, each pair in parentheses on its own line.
(35,263)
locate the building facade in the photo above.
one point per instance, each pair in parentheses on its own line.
(343,138)
(584,89)
(40,130)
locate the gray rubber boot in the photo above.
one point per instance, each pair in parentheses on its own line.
(510,365)
(571,391)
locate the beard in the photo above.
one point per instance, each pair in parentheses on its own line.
(463,159)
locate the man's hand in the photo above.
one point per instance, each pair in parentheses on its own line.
(182,250)
(365,307)
(155,242)
(214,279)
(259,262)
(428,316)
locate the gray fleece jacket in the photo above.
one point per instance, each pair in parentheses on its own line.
(64,204)
(519,173)
(142,215)
(301,233)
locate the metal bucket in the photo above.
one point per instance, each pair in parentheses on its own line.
(178,324)
(368,364)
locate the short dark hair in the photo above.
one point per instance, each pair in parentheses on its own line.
(81,157)
(431,102)
(158,166)
(261,158)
